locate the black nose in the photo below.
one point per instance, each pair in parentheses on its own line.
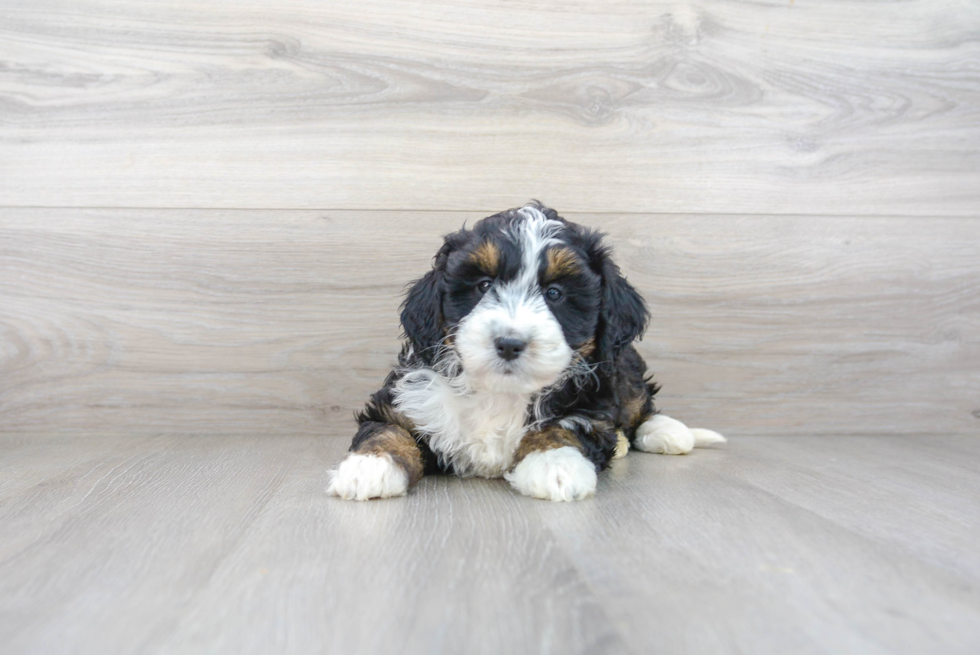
(509,348)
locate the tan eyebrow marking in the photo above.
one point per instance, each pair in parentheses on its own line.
(561,262)
(487,257)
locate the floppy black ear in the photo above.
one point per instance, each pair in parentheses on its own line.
(623,315)
(421,314)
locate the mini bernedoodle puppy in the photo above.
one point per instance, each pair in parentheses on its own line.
(518,363)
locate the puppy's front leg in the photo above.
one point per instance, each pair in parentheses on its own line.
(549,464)
(384,461)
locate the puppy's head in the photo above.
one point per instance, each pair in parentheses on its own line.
(520,298)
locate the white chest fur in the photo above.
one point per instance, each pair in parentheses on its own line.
(475,431)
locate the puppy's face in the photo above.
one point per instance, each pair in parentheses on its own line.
(518,298)
(523,300)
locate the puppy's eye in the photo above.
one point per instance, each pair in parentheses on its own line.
(554,294)
(484,285)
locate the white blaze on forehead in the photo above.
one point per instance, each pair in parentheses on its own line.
(535,234)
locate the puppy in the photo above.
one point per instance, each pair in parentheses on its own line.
(519,364)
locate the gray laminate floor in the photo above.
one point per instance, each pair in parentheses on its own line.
(217,544)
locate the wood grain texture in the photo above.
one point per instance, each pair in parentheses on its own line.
(230,322)
(147,521)
(873,476)
(420,575)
(229,545)
(794,186)
(844,107)
(778,568)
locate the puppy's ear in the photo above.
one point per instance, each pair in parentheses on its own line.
(623,315)
(421,314)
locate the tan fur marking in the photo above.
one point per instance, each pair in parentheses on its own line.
(633,411)
(561,262)
(542,440)
(622,445)
(397,443)
(487,257)
(393,416)
(587,348)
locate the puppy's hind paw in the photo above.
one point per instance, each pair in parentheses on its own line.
(668,436)
(360,477)
(664,435)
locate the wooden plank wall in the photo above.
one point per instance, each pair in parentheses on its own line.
(208,209)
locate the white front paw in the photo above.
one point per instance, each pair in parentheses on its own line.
(558,474)
(360,477)
(665,435)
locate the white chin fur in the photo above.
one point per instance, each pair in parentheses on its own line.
(513,383)
(559,474)
(360,477)
(667,436)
